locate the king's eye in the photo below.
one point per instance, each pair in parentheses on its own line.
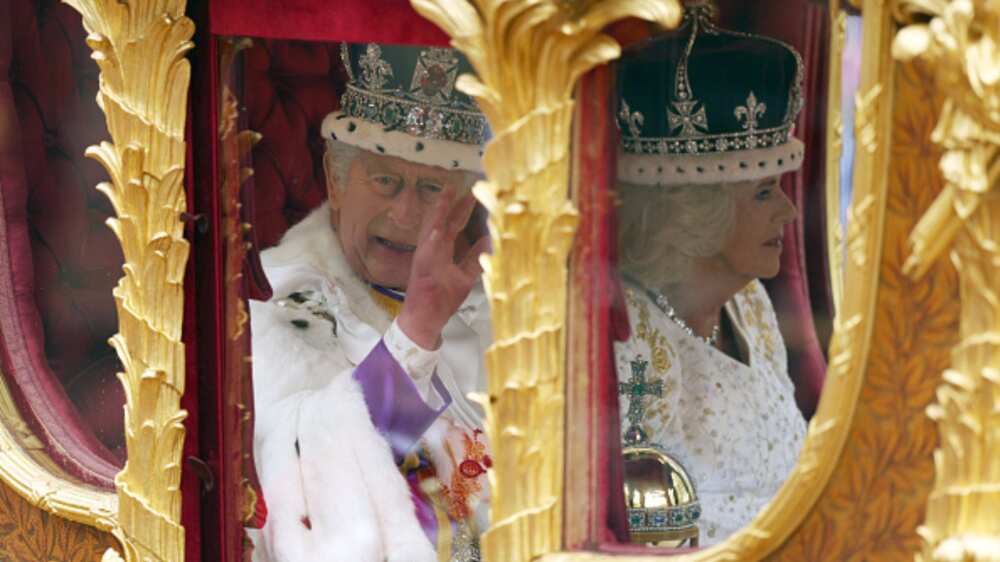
(386,184)
(429,191)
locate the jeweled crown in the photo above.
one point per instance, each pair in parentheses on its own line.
(402,101)
(704,97)
(412,89)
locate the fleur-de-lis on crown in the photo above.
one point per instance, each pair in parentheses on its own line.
(375,72)
(691,121)
(632,120)
(751,111)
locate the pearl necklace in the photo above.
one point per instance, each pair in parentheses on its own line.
(665,306)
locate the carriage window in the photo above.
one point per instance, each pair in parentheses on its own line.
(347,171)
(719,186)
(60,261)
(849,80)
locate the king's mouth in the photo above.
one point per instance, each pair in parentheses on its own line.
(395,246)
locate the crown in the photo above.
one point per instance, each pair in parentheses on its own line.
(402,101)
(708,105)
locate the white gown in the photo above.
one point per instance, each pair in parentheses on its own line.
(734,427)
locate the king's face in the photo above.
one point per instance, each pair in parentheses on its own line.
(378,213)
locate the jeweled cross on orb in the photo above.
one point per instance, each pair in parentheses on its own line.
(637,388)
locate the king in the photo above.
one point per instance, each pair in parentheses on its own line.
(366,443)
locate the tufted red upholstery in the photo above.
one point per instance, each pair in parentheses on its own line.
(289,87)
(65,260)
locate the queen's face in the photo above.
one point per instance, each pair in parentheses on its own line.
(753,246)
(378,213)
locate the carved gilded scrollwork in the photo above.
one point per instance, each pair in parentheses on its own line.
(140,48)
(35,533)
(26,468)
(876,495)
(962,42)
(528,56)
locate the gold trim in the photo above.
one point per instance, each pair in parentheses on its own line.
(528,55)
(140,48)
(234,153)
(27,469)
(960,42)
(834,151)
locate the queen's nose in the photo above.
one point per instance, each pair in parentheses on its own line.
(788,212)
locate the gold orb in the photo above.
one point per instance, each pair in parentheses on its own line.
(660,500)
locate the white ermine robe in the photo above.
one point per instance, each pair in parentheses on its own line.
(342,397)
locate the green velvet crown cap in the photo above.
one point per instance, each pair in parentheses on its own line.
(706,105)
(401,101)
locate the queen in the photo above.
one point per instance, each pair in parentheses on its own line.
(706,117)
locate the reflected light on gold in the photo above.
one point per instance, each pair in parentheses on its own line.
(661,502)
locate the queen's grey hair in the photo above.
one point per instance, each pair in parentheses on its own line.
(340,155)
(663,229)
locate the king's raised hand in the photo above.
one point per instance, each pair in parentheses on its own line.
(439,282)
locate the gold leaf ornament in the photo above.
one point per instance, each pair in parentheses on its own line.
(140,48)
(961,43)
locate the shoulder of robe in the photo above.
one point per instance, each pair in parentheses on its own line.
(293,348)
(759,320)
(650,339)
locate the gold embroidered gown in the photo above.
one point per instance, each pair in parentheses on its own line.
(733,426)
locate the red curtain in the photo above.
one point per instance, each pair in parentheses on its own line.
(382,21)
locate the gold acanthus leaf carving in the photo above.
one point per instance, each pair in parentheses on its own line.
(865,108)
(140,49)
(528,55)
(962,42)
(845,333)
(858,225)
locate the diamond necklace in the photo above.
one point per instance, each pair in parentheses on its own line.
(665,306)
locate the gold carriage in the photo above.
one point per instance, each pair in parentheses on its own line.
(902,455)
